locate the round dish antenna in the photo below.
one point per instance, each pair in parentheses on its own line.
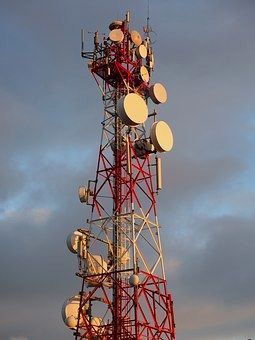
(134,280)
(161,136)
(115,24)
(116,35)
(144,74)
(73,241)
(136,37)
(70,311)
(158,93)
(84,194)
(141,51)
(132,109)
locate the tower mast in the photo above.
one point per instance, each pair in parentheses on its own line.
(120,261)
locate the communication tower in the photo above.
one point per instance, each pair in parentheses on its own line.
(120,261)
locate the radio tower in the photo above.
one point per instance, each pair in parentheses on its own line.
(120,261)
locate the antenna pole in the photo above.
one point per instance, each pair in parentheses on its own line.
(82,40)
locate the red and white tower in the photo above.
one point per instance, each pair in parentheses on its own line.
(120,260)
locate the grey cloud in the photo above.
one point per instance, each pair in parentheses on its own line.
(42,311)
(215,321)
(211,275)
(223,269)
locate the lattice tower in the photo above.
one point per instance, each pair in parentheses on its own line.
(120,261)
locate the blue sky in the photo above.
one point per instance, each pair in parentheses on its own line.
(49,135)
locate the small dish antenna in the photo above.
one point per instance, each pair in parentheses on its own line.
(116,35)
(161,136)
(136,38)
(132,109)
(158,93)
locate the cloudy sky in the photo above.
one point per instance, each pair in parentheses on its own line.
(49,135)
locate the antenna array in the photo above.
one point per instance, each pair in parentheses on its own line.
(120,261)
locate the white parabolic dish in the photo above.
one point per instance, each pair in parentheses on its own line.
(116,35)
(136,37)
(71,308)
(158,93)
(144,74)
(161,136)
(141,51)
(132,109)
(72,241)
(115,24)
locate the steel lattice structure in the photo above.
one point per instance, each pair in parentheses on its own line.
(124,291)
